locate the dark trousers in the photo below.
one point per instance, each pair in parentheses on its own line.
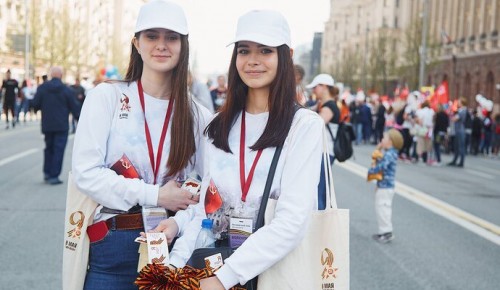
(474,144)
(407,142)
(55,143)
(379,133)
(459,148)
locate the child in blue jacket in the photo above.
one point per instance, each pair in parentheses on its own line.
(390,144)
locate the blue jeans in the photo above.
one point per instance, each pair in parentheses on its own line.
(55,143)
(359,133)
(322,186)
(113,262)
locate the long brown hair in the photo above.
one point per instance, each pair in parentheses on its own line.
(182,145)
(281,104)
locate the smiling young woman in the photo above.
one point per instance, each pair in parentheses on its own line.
(260,114)
(148,122)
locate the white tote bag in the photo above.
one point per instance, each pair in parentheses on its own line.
(79,215)
(321,261)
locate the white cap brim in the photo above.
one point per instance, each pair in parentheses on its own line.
(311,85)
(258,38)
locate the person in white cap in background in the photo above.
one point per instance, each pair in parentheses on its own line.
(150,120)
(323,86)
(260,113)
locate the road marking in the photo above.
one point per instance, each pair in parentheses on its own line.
(481,227)
(18,156)
(480,174)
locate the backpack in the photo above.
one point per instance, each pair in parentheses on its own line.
(342,143)
(400,116)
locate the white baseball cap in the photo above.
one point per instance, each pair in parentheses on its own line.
(266,27)
(162,14)
(321,79)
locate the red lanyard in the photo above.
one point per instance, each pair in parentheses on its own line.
(154,166)
(245,185)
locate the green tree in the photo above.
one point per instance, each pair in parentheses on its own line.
(382,61)
(409,68)
(348,69)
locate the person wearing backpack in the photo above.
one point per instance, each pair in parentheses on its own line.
(324,89)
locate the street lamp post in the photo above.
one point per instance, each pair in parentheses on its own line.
(365,59)
(26,42)
(423,48)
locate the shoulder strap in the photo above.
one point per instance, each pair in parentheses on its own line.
(267,189)
(269,182)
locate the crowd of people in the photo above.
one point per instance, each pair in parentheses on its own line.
(454,127)
(16,100)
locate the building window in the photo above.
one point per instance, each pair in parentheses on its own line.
(397,3)
(384,22)
(395,22)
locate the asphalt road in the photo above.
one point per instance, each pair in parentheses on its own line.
(445,221)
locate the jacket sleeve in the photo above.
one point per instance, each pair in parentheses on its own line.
(90,173)
(73,105)
(37,99)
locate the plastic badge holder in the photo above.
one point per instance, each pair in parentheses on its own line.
(152,216)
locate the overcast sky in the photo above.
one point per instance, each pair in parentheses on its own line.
(212,25)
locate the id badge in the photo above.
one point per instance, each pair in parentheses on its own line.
(239,230)
(152,216)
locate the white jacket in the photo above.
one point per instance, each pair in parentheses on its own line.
(112,124)
(295,186)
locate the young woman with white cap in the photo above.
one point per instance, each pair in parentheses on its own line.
(260,113)
(323,86)
(146,129)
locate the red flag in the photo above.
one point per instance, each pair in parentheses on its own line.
(433,100)
(442,93)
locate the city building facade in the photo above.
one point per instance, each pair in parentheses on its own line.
(462,45)
(82,36)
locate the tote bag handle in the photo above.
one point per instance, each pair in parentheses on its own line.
(331,200)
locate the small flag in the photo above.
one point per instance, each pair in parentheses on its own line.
(445,38)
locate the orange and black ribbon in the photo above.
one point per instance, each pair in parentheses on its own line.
(160,277)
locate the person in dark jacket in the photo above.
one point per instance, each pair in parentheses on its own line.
(56,101)
(441,123)
(477,126)
(379,122)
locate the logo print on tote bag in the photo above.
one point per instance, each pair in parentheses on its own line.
(327,260)
(77,231)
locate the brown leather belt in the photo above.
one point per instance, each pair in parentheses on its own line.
(131,221)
